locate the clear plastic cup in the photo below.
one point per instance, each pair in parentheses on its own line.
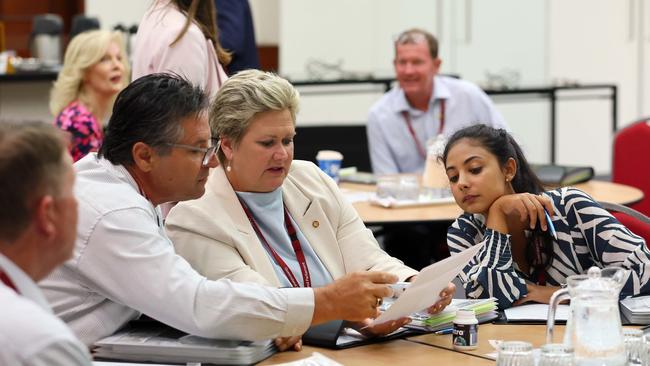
(634,346)
(556,354)
(515,353)
(409,187)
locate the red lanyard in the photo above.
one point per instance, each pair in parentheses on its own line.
(295,243)
(7,281)
(418,145)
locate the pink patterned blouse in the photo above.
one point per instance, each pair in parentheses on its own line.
(83,127)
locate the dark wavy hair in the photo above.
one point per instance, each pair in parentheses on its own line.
(150,110)
(503,146)
(500,144)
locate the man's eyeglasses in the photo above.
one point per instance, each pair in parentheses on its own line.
(208,151)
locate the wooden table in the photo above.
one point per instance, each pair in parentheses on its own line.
(375,215)
(535,334)
(428,348)
(398,352)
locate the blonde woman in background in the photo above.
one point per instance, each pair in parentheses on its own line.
(181,36)
(94,71)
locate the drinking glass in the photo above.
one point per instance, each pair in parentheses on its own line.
(515,353)
(409,187)
(645,350)
(387,186)
(556,354)
(634,346)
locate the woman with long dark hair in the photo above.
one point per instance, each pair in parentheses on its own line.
(504,207)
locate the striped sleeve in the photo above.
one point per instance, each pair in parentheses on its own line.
(609,242)
(491,272)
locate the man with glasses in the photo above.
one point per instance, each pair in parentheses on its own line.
(423,105)
(158,149)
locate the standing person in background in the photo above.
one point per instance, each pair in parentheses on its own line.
(95,69)
(37,230)
(237,34)
(181,36)
(423,105)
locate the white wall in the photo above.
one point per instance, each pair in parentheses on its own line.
(113,12)
(266,19)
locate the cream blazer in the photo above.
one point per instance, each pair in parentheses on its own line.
(215,236)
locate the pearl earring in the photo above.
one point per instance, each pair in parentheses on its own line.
(228,168)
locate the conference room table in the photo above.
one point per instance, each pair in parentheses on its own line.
(376,215)
(428,349)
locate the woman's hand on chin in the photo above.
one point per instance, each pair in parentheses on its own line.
(526,207)
(379,329)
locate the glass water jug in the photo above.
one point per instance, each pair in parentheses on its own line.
(594,325)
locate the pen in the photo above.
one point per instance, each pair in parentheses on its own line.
(550,224)
(444,331)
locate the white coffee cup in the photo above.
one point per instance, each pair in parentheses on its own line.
(329,161)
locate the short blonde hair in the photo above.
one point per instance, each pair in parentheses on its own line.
(85,50)
(243,96)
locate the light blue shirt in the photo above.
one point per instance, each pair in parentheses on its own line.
(268,212)
(392,148)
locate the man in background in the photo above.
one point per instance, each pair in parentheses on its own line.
(38,221)
(423,105)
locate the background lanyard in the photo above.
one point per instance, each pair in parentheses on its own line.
(441,126)
(7,281)
(295,243)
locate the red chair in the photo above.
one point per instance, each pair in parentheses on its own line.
(631,161)
(637,222)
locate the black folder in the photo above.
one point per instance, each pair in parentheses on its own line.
(562,175)
(332,335)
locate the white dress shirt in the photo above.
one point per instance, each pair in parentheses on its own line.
(124,264)
(29,333)
(391,145)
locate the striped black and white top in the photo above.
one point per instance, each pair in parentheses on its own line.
(587,236)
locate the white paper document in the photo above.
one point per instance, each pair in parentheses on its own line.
(535,312)
(426,288)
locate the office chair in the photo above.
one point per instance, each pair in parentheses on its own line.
(631,160)
(634,220)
